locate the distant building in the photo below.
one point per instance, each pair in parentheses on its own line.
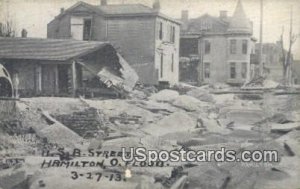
(146,38)
(220,46)
(271,60)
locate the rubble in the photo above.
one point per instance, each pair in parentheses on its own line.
(191,119)
(201,94)
(178,121)
(57,133)
(189,103)
(165,95)
(287,127)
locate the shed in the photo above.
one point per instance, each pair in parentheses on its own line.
(61,67)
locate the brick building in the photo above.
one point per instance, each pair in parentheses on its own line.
(219,46)
(146,38)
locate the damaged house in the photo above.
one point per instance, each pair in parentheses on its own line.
(146,38)
(60,67)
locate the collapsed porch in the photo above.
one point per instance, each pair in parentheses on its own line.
(66,67)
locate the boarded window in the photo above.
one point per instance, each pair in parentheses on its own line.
(161,65)
(232,70)
(233,46)
(206,70)
(244,70)
(245,47)
(87,26)
(207,47)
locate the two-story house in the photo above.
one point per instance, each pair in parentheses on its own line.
(221,46)
(146,38)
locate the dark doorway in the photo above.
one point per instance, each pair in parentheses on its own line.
(48,79)
(63,79)
(5,87)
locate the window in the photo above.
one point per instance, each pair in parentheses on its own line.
(232,46)
(87,26)
(206,70)
(161,65)
(244,70)
(206,47)
(160,31)
(172,64)
(232,70)
(173,34)
(245,47)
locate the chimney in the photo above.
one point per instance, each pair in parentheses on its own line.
(24,33)
(156,5)
(223,14)
(62,10)
(184,15)
(103,2)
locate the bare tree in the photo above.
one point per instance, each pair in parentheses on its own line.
(287,55)
(7,29)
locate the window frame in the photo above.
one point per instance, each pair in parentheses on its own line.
(207,47)
(206,74)
(172,62)
(233,46)
(232,75)
(244,70)
(161,65)
(84,29)
(245,46)
(160,31)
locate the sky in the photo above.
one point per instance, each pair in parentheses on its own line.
(33,15)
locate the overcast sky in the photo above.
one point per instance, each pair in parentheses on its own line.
(34,15)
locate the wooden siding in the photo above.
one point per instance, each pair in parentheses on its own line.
(134,38)
(59,28)
(168,49)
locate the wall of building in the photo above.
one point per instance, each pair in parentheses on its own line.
(99,28)
(239,58)
(169,50)
(25,71)
(59,28)
(217,58)
(134,40)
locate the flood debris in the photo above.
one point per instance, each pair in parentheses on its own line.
(186,117)
(165,95)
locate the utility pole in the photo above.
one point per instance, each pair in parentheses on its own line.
(291,41)
(261,67)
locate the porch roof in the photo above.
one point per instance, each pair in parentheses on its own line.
(48,49)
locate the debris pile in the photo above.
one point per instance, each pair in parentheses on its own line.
(188,118)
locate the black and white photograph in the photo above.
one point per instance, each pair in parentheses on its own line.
(149,94)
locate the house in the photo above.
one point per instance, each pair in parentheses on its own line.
(219,47)
(60,67)
(146,38)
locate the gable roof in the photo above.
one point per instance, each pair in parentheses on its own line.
(126,9)
(115,10)
(47,49)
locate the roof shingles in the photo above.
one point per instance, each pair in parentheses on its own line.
(46,49)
